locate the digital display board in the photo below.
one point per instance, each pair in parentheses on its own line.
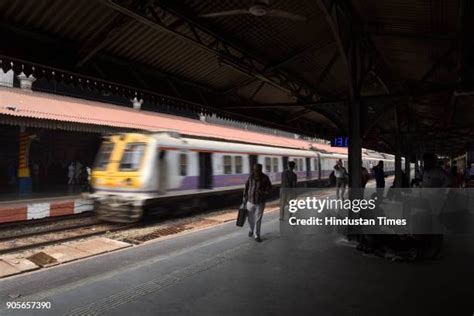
(340,141)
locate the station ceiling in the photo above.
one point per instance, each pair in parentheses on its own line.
(299,66)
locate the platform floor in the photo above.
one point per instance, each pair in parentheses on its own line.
(220,271)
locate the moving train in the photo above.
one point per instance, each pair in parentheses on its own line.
(139,173)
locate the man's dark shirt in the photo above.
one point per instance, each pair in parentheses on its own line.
(257,188)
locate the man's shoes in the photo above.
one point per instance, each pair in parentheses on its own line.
(250,234)
(258,239)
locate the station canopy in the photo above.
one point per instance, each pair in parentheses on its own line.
(300,66)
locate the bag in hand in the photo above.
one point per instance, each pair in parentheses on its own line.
(242,215)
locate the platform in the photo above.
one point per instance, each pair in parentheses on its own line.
(17,210)
(220,271)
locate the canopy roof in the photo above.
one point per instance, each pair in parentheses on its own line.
(94,116)
(407,63)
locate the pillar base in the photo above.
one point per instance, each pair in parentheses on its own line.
(25,185)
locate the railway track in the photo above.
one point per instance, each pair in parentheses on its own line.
(31,240)
(23,236)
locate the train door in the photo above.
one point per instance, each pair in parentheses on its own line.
(162,171)
(308,168)
(285,162)
(205,171)
(253,159)
(318,161)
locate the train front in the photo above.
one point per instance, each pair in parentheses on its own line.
(122,177)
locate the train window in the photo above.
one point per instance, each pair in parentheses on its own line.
(183,164)
(275,164)
(268,164)
(132,157)
(103,156)
(238,164)
(227,165)
(315,161)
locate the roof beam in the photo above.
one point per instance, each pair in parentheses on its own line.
(204,39)
(257,90)
(314,47)
(344,102)
(437,64)
(108,34)
(327,69)
(14,36)
(343,41)
(242,84)
(414,35)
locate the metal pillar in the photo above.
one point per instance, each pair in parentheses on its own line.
(355,150)
(398,170)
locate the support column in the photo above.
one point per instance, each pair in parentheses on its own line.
(417,168)
(398,170)
(355,150)
(24,177)
(407,166)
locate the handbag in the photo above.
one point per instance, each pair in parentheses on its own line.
(241,215)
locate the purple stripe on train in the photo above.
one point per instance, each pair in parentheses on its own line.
(192,182)
(230,180)
(189,183)
(325,173)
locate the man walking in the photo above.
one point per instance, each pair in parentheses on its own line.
(257,188)
(340,174)
(288,182)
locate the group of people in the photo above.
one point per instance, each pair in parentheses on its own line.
(414,246)
(43,175)
(258,187)
(78,174)
(342,177)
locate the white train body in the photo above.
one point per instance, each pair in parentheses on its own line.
(136,170)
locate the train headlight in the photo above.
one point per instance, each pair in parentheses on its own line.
(128,182)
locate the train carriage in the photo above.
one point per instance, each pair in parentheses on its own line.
(138,173)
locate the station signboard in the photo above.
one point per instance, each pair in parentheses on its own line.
(340,141)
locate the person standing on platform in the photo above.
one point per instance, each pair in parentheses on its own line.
(288,182)
(340,173)
(456,178)
(468,174)
(434,175)
(379,175)
(70,173)
(257,187)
